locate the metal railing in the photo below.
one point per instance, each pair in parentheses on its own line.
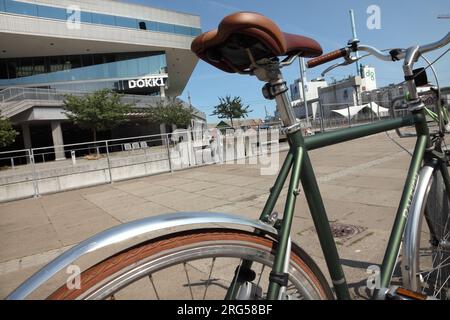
(13,95)
(377,110)
(32,172)
(22,93)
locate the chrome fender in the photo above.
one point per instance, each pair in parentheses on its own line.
(411,245)
(128,231)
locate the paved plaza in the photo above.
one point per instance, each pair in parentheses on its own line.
(361,183)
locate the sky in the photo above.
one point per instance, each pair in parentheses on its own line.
(403,23)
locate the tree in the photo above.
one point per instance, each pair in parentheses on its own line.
(231,109)
(172,111)
(102,110)
(7,132)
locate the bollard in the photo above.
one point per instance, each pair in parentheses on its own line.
(35,177)
(74,159)
(168,152)
(109,163)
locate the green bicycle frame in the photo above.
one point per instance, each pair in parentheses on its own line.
(298,163)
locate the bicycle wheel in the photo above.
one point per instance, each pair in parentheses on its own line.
(197,264)
(427,270)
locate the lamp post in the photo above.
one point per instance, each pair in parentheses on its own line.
(303,77)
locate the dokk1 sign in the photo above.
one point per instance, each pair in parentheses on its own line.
(147,82)
(141,85)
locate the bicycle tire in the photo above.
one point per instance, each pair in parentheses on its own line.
(104,278)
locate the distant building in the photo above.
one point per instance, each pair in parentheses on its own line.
(312,95)
(347,92)
(52,47)
(392,94)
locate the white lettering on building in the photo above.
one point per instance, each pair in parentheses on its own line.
(146,82)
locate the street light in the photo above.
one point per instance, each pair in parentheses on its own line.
(303,77)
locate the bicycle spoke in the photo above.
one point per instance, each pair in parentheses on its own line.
(260,274)
(233,285)
(189,281)
(154,287)
(434,268)
(443,285)
(209,278)
(436,282)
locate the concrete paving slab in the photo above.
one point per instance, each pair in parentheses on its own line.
(138,211)
(28,241)
(18,218)
(360,183)
(194,186)
(173,181)
(363,181)
(74,232)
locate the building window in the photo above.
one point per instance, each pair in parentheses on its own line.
(126,22)
(183,30)
(105,19)
(152,25)
(86,60)
(20,8)
(166,27)
(345,96)
(101,67)
(57,13)
(3,69)
(52,13)
(39,65)
(25,69)
(195,32)
(86,17)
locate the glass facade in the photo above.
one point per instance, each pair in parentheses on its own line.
(47,12)
(101,70)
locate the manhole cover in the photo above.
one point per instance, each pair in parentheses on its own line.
(341,230)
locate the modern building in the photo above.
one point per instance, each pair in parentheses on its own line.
(49,48)
(347,92)
(312,96)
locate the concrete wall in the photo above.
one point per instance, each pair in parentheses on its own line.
(27,180)
(50,183)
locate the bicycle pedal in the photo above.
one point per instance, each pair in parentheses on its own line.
(400,293)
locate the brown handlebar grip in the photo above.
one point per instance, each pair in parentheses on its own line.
(336,54)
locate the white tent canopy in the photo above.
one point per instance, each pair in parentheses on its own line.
(377,109)
(349,111)
(354,110)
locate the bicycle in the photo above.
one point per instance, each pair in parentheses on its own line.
(264,263)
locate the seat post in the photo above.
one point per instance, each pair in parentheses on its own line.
(276,88)
(285,109)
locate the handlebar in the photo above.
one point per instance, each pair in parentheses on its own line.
(410,56)
(330,56)
(395,54)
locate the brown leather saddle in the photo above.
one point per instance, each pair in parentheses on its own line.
(226,47)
